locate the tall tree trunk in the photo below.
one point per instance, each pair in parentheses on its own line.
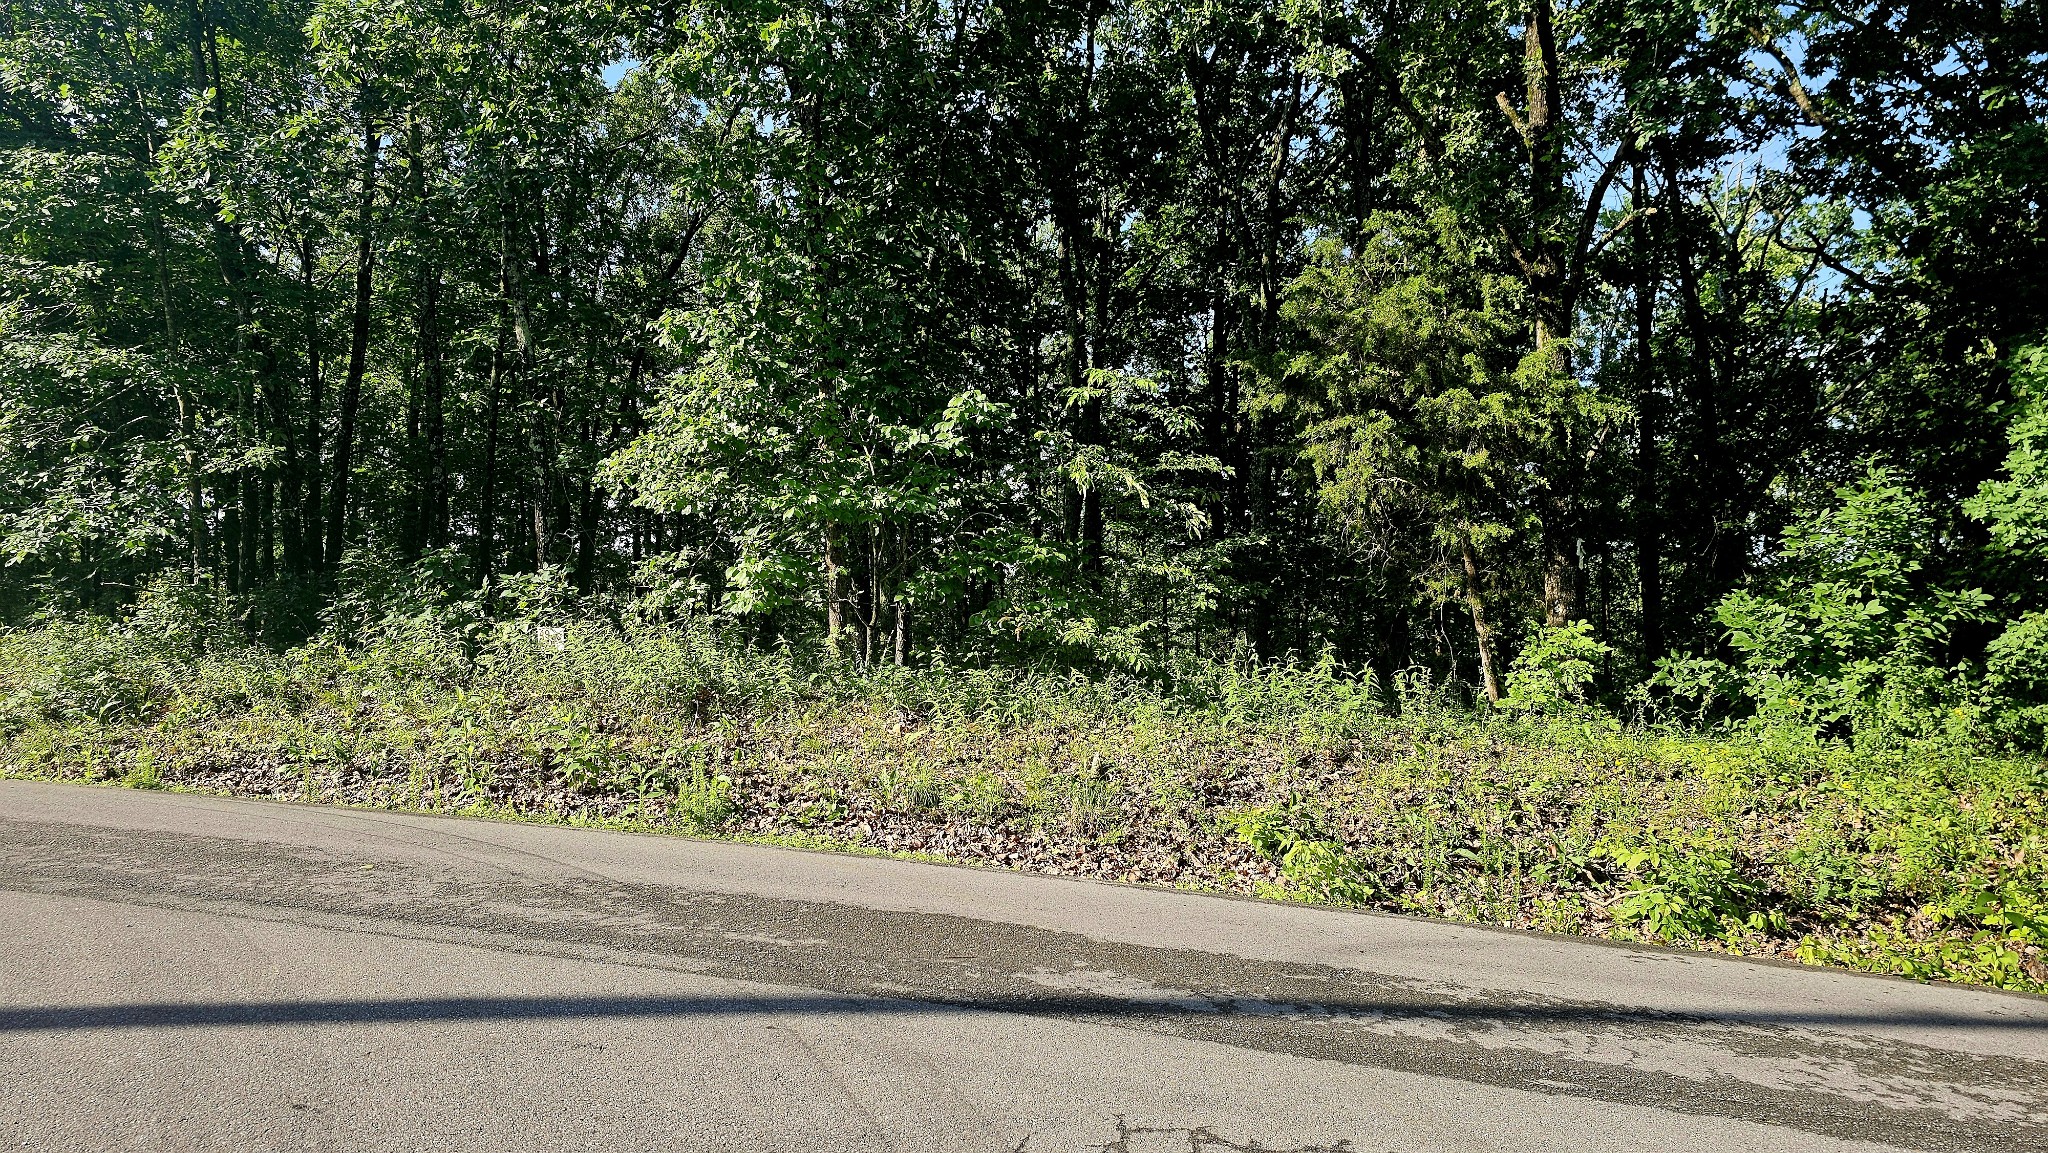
(487,499)
(1649,524)
(359,338)
(1547,261)
(1543,137)
(306,540)
(433,412)
(1475,601)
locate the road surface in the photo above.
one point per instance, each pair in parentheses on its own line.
(182,972)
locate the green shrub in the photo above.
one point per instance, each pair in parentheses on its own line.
(1843,637)
(1315,867)
(1552,671)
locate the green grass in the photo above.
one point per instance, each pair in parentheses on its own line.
(1293,782)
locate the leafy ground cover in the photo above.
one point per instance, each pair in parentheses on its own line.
(1291,781)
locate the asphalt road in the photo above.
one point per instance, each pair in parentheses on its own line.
(182,972)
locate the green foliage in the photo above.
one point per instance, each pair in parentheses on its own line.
(2015,509)
(2016,679)
(1286,780)
(1848,634)
(1099,335)
(1553,670)
(1683,892)
(1314,868)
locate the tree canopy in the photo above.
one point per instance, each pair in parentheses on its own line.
(1099,330)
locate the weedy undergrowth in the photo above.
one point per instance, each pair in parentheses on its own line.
(1295,781)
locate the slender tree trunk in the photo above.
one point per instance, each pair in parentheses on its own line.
(1269,247)
(359,339)
(586,532)
(1546,265)
(433,412)
(185,403)
(195,485)
(306,542)
(430,456)
(902,632)
(1074,493)
(510,329)
(862,602)
(1707,477)
(1649,522)
(1475,600)
(835,585)
(543,415)
(1090,431)
(1084,261)
(487,499)
(235,494)
(413,531)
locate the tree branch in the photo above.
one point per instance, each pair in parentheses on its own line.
(1820,253)
(1619,227)
(1514,118)
(1794,86)
(1582,244)
(1432,145)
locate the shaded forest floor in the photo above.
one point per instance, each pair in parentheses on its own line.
(1286,782)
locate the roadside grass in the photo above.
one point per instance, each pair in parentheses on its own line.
(1290,781)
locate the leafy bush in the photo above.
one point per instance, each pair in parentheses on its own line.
(1845,635)
(2015,510)
(2016,680)
(1316,867)
(1686,890)
(1552,671)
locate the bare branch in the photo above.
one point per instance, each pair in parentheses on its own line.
(1590,219)
(1794,86)
(1820,253)
(1514,118)
(1607,237)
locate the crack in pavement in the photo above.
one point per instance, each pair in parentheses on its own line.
(1798,1075)
(1199,1139)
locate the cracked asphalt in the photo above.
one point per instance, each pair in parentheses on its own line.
(182,972)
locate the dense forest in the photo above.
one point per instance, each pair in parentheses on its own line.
(1431,335)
